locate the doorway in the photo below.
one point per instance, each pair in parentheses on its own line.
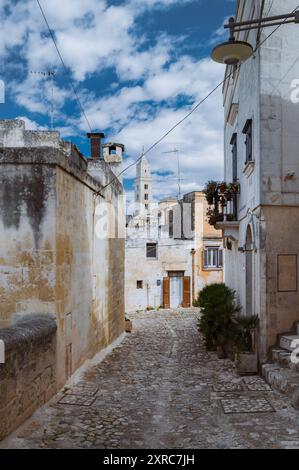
(176,288)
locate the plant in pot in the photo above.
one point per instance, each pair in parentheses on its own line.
(246,356)
(128,325)
(210,191)
(217,323)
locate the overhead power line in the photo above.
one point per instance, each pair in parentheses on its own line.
(155,144)
(64,65)
(193,109)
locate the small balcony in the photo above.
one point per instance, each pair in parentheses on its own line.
(222,199)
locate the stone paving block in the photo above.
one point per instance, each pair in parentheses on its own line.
(259,387)
(228,387)
(78,400)
(82,389)
(245,405)
(254,379)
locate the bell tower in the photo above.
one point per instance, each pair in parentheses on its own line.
(143,185)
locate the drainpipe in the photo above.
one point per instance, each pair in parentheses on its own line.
(147,294)
(193,251)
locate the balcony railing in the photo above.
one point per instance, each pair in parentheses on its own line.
(222,199)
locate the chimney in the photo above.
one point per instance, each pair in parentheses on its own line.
(96,144)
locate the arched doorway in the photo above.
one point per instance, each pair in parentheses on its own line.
(249,272)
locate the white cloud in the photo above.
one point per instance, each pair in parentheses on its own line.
(92,36)
(137,124)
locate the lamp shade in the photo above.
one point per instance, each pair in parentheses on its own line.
(232,52)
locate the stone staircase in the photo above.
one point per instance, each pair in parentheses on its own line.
(282,373)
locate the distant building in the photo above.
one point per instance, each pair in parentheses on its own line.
(171,250)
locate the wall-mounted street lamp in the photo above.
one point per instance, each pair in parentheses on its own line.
(233,51)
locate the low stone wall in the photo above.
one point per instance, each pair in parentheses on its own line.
(28,376)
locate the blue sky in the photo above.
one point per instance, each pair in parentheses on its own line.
(138,66)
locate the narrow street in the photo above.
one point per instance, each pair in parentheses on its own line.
(161,389)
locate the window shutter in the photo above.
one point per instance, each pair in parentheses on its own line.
(205,258)
(187,292)
(220,258)
(151,250)
(166,292)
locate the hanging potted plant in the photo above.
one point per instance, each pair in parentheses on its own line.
(234,188)
(223,187)
(211,192)
(246,356)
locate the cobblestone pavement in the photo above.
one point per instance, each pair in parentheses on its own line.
(161,389)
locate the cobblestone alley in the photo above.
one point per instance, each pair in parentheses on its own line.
(161,389)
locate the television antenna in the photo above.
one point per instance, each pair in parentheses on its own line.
(177,153)
(48,75)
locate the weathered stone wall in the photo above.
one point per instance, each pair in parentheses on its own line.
(89,272)
(27,240)
(51,259)
(282,300)
(115,291)
(28,376)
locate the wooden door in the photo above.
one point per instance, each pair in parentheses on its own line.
(166,292)
(186,292)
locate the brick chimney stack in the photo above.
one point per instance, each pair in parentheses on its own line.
(96,144)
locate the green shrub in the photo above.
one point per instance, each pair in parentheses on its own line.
(219,310)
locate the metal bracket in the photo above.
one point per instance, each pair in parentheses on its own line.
(239,26)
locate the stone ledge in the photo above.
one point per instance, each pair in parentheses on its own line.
(55,157)
(33,329)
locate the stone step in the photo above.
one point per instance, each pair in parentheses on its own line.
(284,380)
(276,353)
(283,358)
(286,341)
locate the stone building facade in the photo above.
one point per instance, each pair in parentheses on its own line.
(52,261)
(171,250)
(261,152)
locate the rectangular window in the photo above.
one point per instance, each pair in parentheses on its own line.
(248,141)
(234,144)
(146,186)
(146,206)
(213,258)
(146,197)
(170,224)
(139,284)
(151,250)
